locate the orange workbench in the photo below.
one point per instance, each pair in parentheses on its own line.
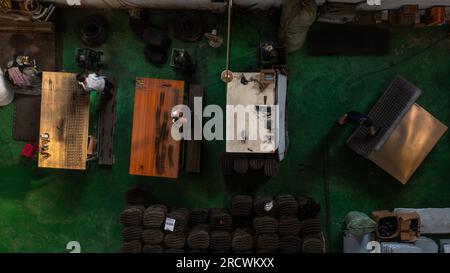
(153,151)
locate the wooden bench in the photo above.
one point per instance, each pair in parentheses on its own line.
(106,129)
(194,147)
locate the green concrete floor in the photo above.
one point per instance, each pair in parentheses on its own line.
(41,210)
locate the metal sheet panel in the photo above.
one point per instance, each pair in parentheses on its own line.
(409,144)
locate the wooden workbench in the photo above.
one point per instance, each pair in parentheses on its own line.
(65,117)
(250,95)
(153,151)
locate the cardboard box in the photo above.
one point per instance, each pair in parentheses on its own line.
(409,224)
(393,17)
(435,16)
(447,14)
(406,19)
(408,15)
(409,9)
(382,218)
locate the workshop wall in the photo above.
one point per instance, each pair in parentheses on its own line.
(211,5)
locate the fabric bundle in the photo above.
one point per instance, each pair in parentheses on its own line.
(199,216)
(153,249)
(181,217)
(131,216)
(288,225)
(131,233)
(267,242)
(199,238)
(313,243)
(132,247)
(242,240)
(220,220)
(265,224)
(286,205)
(241,206)
(264,206)
(311,226)
(175,240)
(290,244)
(153,236)
(220,240)
(307,208)
(154,216)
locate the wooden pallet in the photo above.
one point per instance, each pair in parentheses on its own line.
(65,117)
(106,129)
(153,150)
(194,147)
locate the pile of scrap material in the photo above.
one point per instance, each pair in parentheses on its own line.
(23,76)
(263,224)
(398,231)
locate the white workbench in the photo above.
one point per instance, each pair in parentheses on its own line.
(239,139)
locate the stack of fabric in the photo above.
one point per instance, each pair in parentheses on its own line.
(131,220)
(264,224)
(176,239)
(241,210)
(220,219)
(199,216)
(220,241)
(267,240)
(152,237)
(199,239)
(289,228)
(242,240)
(264,206)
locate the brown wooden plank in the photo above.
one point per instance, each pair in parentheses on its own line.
(194,147)
(65,117)
(8,25)
(153,151)
(106,129)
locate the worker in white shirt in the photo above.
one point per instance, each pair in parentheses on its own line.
(95,83)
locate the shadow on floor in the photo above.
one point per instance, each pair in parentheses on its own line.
(247,183)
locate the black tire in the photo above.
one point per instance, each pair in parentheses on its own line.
(187,26)
(93,30)
(155,55)
(156,38)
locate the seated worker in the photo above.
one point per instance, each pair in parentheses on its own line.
(359,119)
(95,83)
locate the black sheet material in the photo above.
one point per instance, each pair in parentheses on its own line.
(334,39)
(27,118)
(386,114)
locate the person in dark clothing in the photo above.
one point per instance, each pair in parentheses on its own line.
(359,119)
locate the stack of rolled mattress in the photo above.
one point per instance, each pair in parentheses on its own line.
(153,235)
(131,221)
(241,210)
(267,239)
(264,206)
(242,240)
(263,224)
(198,216)
(220,219)
(198,239)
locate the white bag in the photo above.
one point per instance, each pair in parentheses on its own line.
(6,95)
